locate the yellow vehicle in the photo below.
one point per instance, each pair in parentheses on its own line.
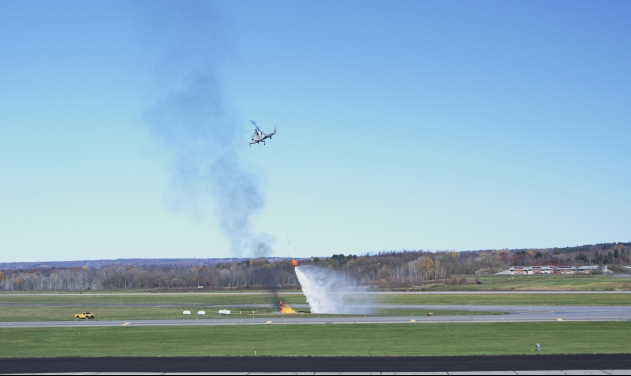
(84,316)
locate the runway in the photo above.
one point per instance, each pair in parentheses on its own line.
(512,314)
(374,365)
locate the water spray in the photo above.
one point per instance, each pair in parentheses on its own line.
(328,291)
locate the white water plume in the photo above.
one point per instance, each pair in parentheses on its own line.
(328,291)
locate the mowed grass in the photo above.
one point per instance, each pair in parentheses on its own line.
(512,299)
(319,340)
(539,283)
(149,299)
(84,302)
(21,314)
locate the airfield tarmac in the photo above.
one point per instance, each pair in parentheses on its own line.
(600,364)
(512,314)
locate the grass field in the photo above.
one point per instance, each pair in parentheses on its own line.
(512,299)
(76,302)
(539,283)
(319,340)
(20,314)
(149,299)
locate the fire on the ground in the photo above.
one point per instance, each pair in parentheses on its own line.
(285,308)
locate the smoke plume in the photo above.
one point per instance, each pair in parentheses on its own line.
(194,123)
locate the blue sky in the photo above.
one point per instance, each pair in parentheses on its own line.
(401,125)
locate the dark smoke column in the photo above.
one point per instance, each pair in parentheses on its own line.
(193,123)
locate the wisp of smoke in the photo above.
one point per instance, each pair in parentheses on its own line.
(192,121)
(328,291)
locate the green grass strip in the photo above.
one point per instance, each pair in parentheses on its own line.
(516,299)
(539,283)
(22,314)
(149,299)
(85,300)
(320,340)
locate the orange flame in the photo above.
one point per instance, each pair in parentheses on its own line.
(285,308)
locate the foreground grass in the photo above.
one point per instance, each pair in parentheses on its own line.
(319,340)
(21,314)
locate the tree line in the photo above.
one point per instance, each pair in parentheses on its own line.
(392,269)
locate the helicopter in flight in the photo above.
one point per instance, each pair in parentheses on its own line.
(259,136)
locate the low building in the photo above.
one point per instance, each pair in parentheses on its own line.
(530,270)
(520,270)
(541,270)
(565,270)
(588,269)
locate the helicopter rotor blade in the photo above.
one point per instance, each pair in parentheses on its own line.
(255,125)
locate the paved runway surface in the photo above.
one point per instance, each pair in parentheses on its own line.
(320,364)
(513,314)
(546,372)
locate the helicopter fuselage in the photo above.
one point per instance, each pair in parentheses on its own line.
(259,136)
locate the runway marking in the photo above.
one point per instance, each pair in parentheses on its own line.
(559,319)
(269,322)
(125,324)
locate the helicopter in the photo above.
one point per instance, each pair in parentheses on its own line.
(259,136)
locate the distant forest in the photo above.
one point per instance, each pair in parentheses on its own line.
(391,269)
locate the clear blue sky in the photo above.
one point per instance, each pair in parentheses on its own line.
(401,124)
